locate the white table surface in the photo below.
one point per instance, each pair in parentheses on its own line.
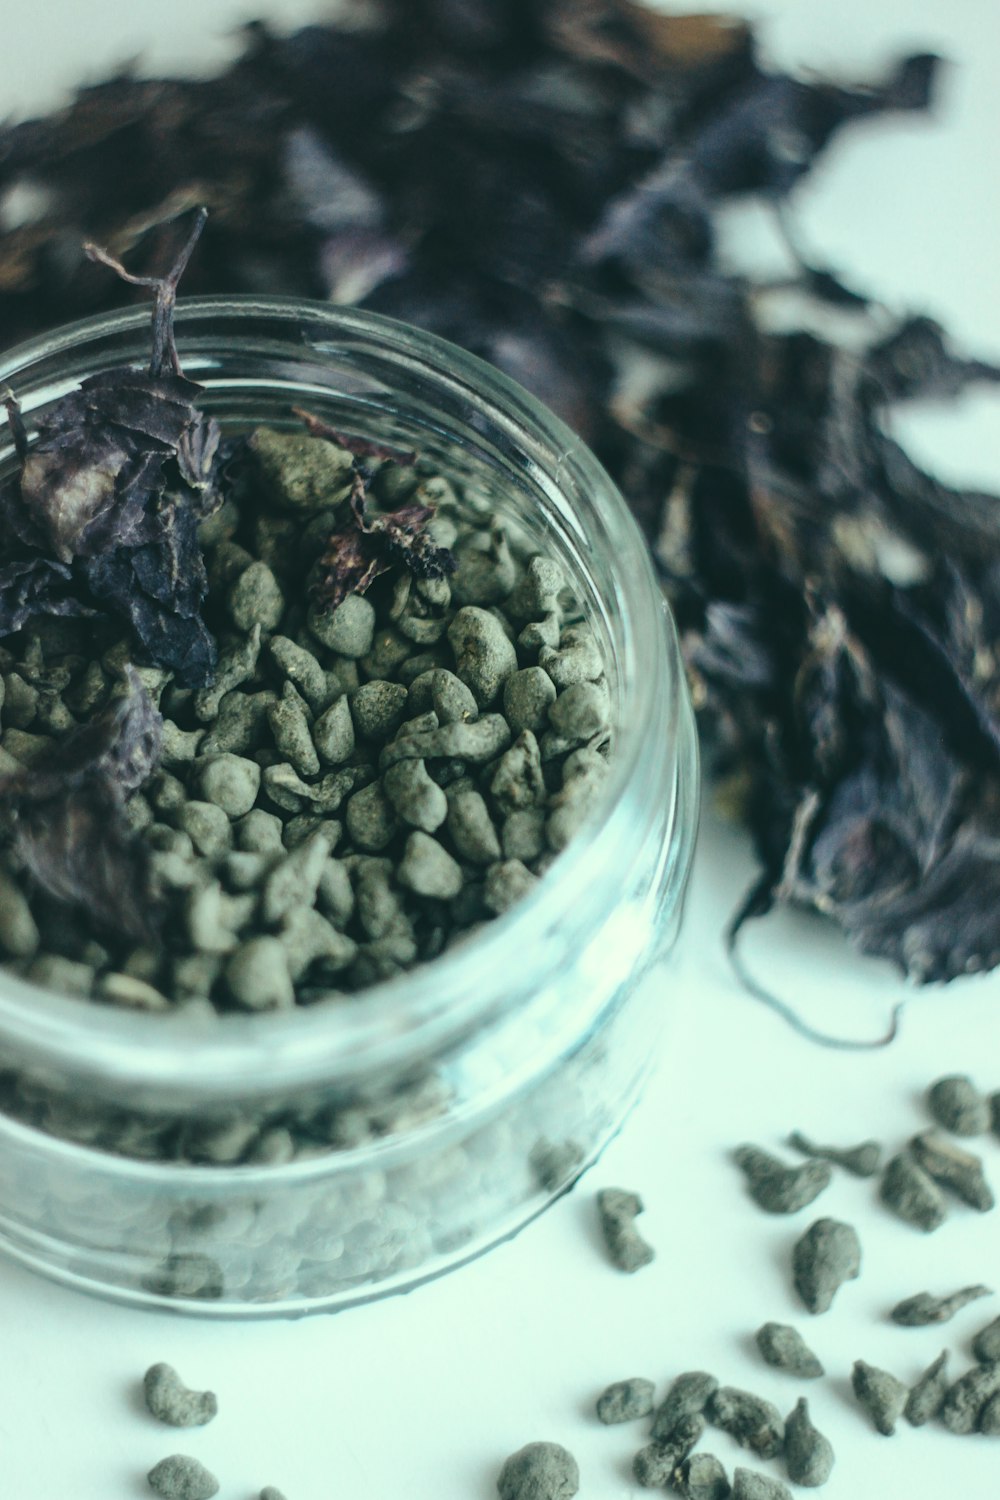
(423,1396)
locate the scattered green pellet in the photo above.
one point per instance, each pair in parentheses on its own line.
(912,1194)
(926,1397)
(539,1471)
(986,1344)
(701,1476)
(784,1348)
(861,1161)
(169,1400)
(750,1421)
(777,1188)
(617,1210)
(989,1417)
(625,1400)
(686,1397)
(749,1485)
(965,1400)
(808,1454)
(333,733)
(270,1493)
(959,1171)
(182,1478)
(827,1255)
(883,1397)
(918,1311)
(957,1104)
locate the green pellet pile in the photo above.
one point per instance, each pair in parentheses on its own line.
(359,788)
(823,1259)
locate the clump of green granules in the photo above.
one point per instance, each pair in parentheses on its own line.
(358,788)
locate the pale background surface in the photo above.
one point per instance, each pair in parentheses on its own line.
(423,1396)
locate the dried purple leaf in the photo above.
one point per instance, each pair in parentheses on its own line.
(67,813)
(371,544)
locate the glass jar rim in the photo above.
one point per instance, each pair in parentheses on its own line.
(248,1055)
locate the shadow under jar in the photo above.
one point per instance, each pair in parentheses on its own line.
(442,1109)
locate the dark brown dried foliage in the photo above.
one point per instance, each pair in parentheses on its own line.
(538,180)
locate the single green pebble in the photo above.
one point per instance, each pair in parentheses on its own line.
(918,1311)
(539,1471)
(256,599)
(617,1211)
(302,473)
(259,832)
(416,797)
(258,977)
(470,826)
(826,1256)
(625,1401)
(522,835)
(290,723)
(518,781)
(527,697)
(986,1344)
(182,1478)
(881,1394)
(912,1194)
(484,657)
(18,929)
(370,818)
(926,1397)
(580,712)
(377,709)
(302,669)
(427,869)
(808,1454)
(749,1485)
(507,882)
(701,1476)
(348,630)
(207,826)
(270,1493)
(784,1348)
(230,782)
(778,1188)
(179,746)
(333,733)
(130,993)
(169,1400)
(957,1104)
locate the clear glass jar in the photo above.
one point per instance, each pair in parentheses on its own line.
(464,1096)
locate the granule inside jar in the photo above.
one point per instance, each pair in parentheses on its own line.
(358,788)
